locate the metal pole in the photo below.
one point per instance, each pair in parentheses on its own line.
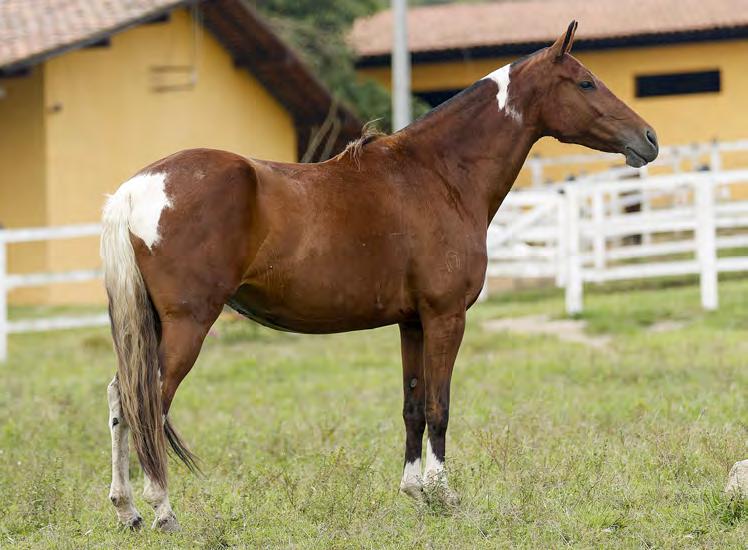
(401,111)
(3,300)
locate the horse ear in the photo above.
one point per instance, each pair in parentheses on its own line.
(563,45)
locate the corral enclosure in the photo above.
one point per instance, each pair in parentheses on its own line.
(603,410)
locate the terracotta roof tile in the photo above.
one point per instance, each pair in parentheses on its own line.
(29,28)
(465,26)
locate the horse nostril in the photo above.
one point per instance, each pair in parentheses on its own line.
(651,137)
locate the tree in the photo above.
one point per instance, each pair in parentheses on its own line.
(318,30)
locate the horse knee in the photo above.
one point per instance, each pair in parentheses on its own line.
(437,419)
(414,416)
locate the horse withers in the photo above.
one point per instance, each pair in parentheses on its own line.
(390,231)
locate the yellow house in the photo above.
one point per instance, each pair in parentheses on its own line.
(90,94)
(682,64)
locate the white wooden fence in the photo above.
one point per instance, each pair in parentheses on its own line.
(588,232)
(10,282)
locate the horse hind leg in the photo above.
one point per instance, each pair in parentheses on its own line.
(181,339)
(158,498)
(120,492)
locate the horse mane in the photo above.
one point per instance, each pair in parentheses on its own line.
(369,133)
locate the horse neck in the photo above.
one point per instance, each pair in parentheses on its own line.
(476,148)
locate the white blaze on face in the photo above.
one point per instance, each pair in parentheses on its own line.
(502,79)
(434,467)
(145,196)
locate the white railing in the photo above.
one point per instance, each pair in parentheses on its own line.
(588,232)
(9,282)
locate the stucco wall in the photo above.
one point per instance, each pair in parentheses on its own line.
(106,121)
(22,176)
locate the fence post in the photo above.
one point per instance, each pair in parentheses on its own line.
(598,213)
(573,258)
(715,158)
(561,239)
(707,242)
(536,171)
(3,299)
(645,205)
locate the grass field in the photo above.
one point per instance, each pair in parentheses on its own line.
(550,444)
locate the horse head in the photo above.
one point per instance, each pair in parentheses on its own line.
(576,107)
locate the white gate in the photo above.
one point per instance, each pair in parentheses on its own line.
(523,240)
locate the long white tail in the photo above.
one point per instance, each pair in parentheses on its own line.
(134,331)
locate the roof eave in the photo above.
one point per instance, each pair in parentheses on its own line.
(90,40)
(580,44)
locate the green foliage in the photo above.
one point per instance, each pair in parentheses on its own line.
(318,30)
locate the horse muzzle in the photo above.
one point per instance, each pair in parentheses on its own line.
(642,149)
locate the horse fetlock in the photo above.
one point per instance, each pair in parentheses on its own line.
(129,517)
(154,495)
(121,498)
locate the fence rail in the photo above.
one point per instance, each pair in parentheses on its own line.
(10,282)
(586,232)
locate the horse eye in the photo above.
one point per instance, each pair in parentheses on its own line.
(587,85)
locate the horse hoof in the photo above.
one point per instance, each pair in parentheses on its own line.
(167,524)
(134,524)
(413,490)
(441,494)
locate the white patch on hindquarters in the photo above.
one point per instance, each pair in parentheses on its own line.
(434,467)
(143,198)
(502,78)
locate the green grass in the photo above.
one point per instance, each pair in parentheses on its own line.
(551,444)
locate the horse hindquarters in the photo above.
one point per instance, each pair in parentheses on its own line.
(151,360)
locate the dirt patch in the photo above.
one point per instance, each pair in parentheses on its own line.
(666,326)
(568,330)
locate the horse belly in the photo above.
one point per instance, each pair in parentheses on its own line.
(309,301)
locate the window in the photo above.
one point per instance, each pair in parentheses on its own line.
(678,84)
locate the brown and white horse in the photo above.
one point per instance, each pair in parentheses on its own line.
(391,231)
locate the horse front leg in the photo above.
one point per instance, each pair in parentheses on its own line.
(414,414)
(442,338)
